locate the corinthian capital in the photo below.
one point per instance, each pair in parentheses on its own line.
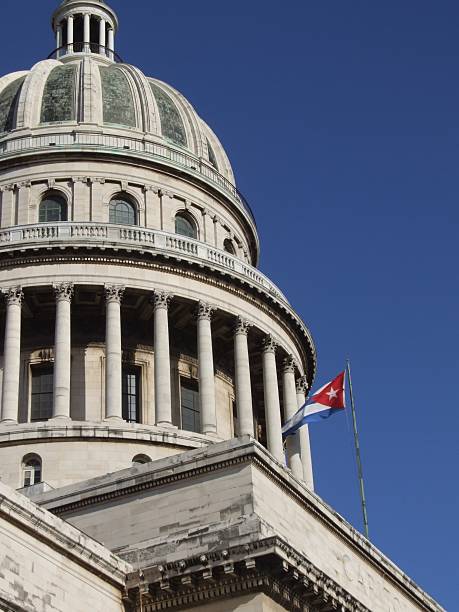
(13,296)
(161,299)
(63,292)
(205,311)
(302,385)
(114,293)
(289,364)
(242,326)
(269,344)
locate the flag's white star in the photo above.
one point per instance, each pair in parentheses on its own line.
(332,394)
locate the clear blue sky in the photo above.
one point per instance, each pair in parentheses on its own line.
(342,123)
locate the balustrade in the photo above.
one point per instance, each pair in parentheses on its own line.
(46,232)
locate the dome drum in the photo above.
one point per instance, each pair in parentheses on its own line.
(135,324)
(189,317)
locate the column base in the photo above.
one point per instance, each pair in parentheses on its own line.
(8,422)
(166,425)
(60,419)
(114,419)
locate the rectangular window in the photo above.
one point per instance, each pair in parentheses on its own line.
(131,394)
(42,392)
(189,397)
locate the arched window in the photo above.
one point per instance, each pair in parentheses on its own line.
(185,226)
(122,211)
(31,470)
(141,459)
(53,207)
(229,246)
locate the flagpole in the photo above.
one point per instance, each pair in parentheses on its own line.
(357,452)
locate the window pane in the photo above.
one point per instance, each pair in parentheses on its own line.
(131,394)
(122,212)
(191,418)
(52,209)
(42,392)
(184,227)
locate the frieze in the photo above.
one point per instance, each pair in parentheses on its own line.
(279,315)
(269,566)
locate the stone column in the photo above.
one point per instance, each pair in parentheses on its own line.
(102,37)
(163,398)
(272,402)
(290,408)
(12,355)
(70,34)
(111,42)
(242,375)
(206,370)
(58,40)
(113,355)
(62,351)
(305,447)
(86,32)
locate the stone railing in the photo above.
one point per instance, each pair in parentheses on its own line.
(96,141)
(135,237)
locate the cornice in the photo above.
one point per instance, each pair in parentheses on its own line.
(282,313)
(269,566)
(61,536)
(226,455)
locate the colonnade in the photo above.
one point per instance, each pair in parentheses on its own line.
(106,37)
(297,452)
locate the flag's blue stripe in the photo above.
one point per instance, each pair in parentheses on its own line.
(311,418)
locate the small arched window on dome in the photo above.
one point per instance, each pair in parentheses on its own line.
(31,470)
(228,245)
(123,211)
(53,208)
(141,460)
(185,225)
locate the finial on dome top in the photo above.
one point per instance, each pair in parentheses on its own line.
(85,26)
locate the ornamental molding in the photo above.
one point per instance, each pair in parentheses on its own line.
(161,299)
(284,316)
(205,311)
(114,293)
(289,365)
(302,385)
(270,566)
(250,453)
(99,179)
(242,326)
(14,296)
(63,292)
(269,344)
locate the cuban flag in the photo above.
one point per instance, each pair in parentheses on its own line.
(326,402)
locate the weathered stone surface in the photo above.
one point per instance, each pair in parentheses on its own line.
(234,497)
(8,101)
(117,97)
(58,103)
(171,121)
(46,564)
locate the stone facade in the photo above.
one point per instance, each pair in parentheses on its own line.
(228,519)
(46,564)
(148,365)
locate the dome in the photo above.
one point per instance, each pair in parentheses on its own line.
(118,98)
